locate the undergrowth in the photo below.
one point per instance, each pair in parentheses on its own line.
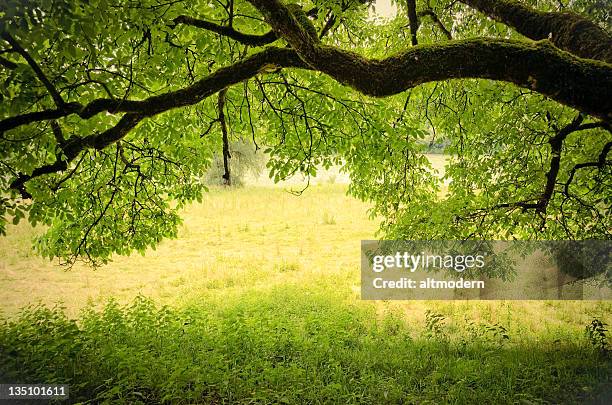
(287,346)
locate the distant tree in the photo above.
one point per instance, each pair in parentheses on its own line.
(244,162)
(112,111)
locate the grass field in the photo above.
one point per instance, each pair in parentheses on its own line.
(236,239)
(257,301)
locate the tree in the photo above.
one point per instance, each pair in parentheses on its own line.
(109,120)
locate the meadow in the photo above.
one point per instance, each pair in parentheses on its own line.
(257,301)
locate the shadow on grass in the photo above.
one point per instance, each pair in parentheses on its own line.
(286,347)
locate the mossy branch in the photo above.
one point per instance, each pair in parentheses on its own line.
(566,30)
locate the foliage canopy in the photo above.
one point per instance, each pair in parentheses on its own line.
(112,111)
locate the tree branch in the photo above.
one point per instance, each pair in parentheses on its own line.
(579,83)
(190,95)
(556,144)
(58,133)
(600,163)
(39,73)
(568,31)
(331,20)
(74,146)
(413,20)
(226,151)
(583,84)
(430,13)
(228,31)
(7,63)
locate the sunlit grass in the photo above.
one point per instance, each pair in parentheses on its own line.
(263,289)
(252,239)
(234,239)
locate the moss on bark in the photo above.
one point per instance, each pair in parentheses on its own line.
(566,30)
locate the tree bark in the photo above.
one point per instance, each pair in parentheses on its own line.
(583,84)
(228,31)
(227,180)
(413,20)
(568,31)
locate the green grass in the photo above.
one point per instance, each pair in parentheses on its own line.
(288,345)
(257,301)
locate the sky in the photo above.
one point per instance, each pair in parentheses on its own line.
(384,8)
